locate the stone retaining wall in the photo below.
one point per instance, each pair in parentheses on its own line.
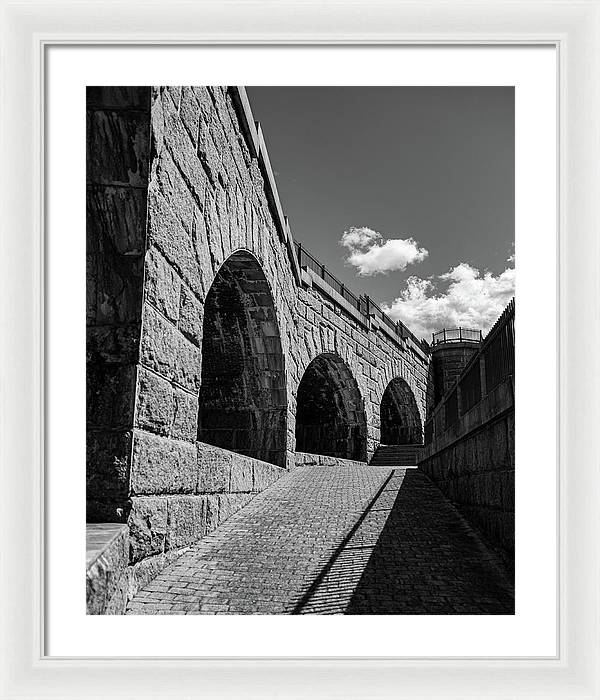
(176,512)
(180,495)
(473,463)
(184,226)
(304,459)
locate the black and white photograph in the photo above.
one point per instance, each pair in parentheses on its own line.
(294,229)
(300,350)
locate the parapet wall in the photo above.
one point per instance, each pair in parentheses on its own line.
(475,467)
(470,439)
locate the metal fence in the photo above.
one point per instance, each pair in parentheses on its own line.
(499,350)
(305,259)
(364,304)
(456,335)
(470,388)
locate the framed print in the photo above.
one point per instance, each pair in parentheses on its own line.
(325,454)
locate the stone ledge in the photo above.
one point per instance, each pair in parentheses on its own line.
(330,292)
(379,325)
(305,276)
(164,465)
(231,472)
(493,405)
(258,148)
(199,489)
(305,459)
(107,553)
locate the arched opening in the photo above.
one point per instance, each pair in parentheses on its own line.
(243,401)
(330,416)
(400,418)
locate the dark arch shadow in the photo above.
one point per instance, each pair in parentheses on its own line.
(399,415)
(330,416)
(243,398)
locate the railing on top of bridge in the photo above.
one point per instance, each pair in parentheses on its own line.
(456,335)
(363,303)
(493,363)
(305,259)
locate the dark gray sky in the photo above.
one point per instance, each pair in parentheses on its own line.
(432,163)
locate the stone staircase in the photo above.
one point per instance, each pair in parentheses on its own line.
(397,456)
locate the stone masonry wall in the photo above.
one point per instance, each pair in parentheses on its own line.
(448,361)
(206,200)
(373,357)
(469,447)
(473,463)
(304,459)
(207,208)
(118,152)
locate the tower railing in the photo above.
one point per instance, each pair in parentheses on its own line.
(456,335)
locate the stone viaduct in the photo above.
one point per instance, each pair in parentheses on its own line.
(219,352)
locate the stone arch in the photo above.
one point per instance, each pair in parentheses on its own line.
(399,369)
(400,418)
(330,412)
(322,338)
(243,397)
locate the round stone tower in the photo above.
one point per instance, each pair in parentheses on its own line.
(451,349)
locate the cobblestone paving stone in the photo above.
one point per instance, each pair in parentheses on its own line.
(412,554)
(329,540)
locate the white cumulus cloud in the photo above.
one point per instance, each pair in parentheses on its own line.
(472,300)
(372,254)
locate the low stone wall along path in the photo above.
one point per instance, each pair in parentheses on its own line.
(339,539)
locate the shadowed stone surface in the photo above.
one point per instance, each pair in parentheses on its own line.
(106,561)
(400,419)
(330,418)
(243,401)
(334,540)
(411,555)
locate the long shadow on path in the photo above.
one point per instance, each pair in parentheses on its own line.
(336,540)
(412,553)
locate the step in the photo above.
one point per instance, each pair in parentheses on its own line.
(408,460)
(396,450)
(396,455)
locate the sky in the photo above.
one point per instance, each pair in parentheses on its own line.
(404,193)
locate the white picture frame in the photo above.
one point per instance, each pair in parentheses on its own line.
(27,29)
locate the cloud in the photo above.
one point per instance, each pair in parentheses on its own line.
(511,257)
(471,300)
(372,254)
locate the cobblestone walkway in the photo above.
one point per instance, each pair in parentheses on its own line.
(333,540)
